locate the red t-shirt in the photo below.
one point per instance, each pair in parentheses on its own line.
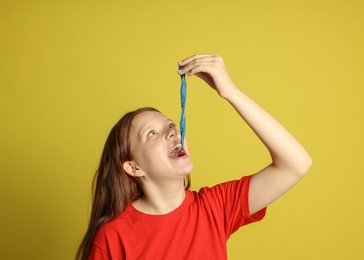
(197,229)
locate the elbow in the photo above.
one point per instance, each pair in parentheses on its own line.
(296,165)
(304,166)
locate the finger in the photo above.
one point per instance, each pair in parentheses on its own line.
(197,57)
(190,66)
(215,62)
(201,68)
(192,58)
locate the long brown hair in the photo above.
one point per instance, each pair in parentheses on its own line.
(112,187)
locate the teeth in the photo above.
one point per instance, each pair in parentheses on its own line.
(175,148)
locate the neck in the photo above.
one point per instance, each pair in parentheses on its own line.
(159,200)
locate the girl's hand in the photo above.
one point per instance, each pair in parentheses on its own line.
(211,69)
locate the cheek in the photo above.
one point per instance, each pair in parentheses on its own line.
(151,152)
(156,146)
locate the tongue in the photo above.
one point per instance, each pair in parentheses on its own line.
(181,152)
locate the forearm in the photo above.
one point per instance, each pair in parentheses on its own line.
(286,152)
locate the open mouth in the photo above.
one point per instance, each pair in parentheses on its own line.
(176,151)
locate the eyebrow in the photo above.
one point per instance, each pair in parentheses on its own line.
(143,130)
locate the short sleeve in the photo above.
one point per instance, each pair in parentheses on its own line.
(231,201)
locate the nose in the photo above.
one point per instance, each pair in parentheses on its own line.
(173,133)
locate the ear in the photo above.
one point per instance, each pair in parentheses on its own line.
(131,168)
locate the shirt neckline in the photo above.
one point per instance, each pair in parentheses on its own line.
(136,214)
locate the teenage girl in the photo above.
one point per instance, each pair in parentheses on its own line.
(142,208)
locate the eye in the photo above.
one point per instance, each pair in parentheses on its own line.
(172,125)
(151,133)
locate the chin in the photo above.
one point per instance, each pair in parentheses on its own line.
(187,169)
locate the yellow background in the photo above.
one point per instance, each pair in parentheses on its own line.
(70,69)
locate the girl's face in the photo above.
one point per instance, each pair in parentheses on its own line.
(154,142)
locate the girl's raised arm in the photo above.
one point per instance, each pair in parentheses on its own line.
(290,161)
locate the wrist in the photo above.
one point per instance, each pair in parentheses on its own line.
(230,92)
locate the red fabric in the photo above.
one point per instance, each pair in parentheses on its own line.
(198,229)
